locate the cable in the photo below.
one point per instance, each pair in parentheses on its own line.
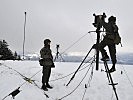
(31,77)
(126,74)
(67,75)
(74,43)
(16,91)
(86,86)
(24,77)
(14,70)
(73,72)
(77,85)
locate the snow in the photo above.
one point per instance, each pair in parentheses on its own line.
(97,89)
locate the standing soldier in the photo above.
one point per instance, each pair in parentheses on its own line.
(47,63)
(109,40)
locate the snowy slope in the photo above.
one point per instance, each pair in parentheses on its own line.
(98,88)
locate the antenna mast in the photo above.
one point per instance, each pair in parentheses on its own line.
(24,35)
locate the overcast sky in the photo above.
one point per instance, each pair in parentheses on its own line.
(62,21)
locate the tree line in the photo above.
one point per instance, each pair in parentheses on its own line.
(6,53)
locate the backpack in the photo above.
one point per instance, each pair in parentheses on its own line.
(117,38)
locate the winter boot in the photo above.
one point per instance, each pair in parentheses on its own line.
(112,69)
(44,88)
(48,86)
(105,58)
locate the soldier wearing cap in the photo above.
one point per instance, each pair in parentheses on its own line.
(47,57)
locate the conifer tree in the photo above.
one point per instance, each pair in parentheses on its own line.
(5,52)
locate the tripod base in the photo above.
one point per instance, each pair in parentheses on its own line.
(57,57)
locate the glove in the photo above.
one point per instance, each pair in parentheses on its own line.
(53,66)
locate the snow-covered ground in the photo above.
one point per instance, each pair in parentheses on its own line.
(91,88)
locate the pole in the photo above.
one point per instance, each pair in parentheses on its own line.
(79,67)
(98,25)
(97,50)
(24,35)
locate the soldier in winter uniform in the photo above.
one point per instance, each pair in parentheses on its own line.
(111,31)
(47,63)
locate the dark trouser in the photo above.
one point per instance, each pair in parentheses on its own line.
(46,74)
(112,49)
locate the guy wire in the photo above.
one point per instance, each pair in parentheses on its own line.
(25,78)
(78,84)
(74,43)
(74,71)
(126,74)
(90,78)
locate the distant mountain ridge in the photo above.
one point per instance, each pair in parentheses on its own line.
(123,58)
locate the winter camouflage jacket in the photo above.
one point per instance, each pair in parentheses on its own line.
(46,55)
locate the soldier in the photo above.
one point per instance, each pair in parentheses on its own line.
(47,63)
(109,40)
